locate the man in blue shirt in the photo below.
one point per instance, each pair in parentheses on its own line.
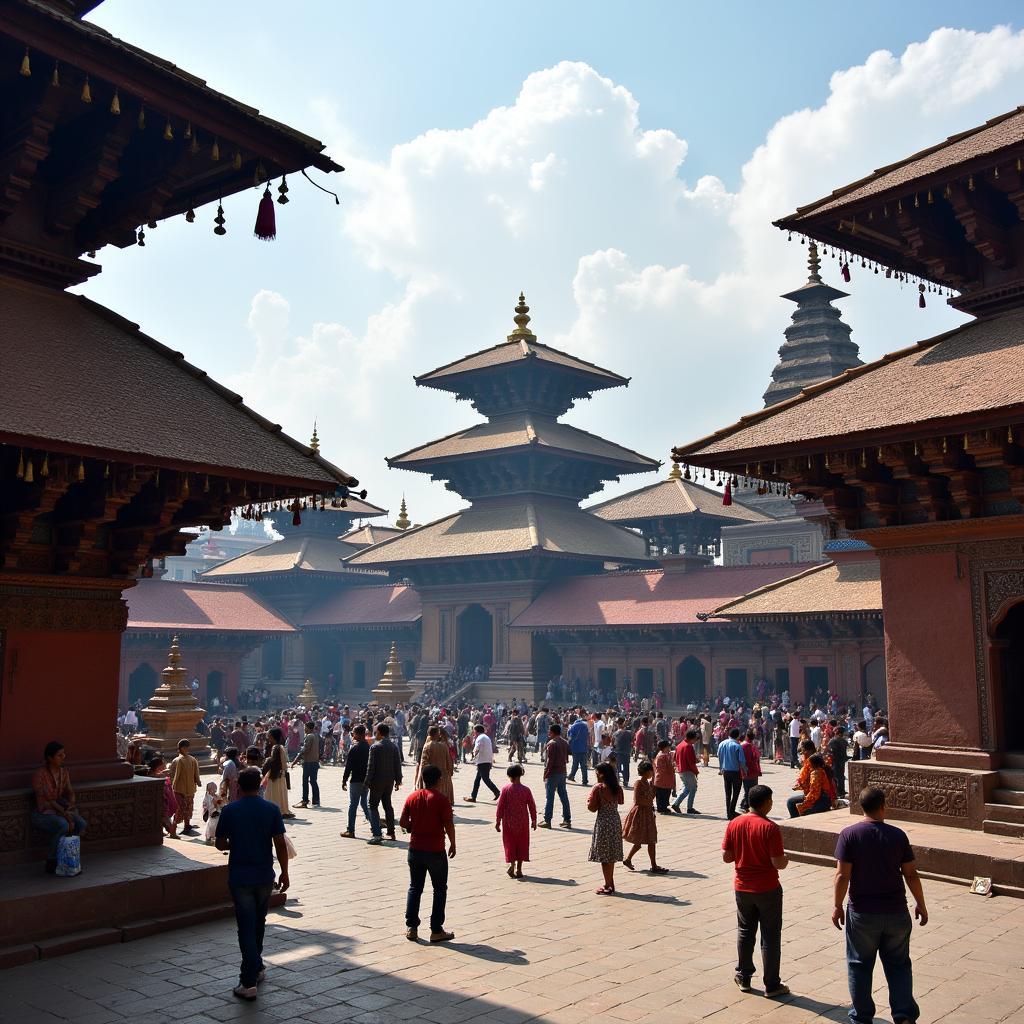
(251,829)
(731,765)
(579,747)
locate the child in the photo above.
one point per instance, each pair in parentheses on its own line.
(212,803)
(664,776)
(158,769)
(516,810)
(640,827)
(606,845)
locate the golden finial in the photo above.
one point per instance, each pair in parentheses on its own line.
(522,319)
(403,522)
(813,262)
(675,473)
(314,441)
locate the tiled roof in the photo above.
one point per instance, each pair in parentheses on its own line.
(499,531)
(824,590)
(990,137)
(369,534)
(366,607)
(640,599)
(79,375)
(673,497)
(976,368)
(164,605)
(296,553)
(509,353)
(523,430)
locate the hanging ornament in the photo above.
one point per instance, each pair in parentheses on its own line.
(193,147)
(259,175)
(931,198)
(727,497)
(970,182)
(190,216)
(26,67)
(30,477)
(141,238)
(80,474)
(168,131)
(845,271)
(188,129)
(106,471)
(920,298)
(266,225)
(86,91)
(215,151)
(55,77)
(141,120)
(282,191)
(44,469)
(20,472)
(115,104)
(219,221)
(236,161)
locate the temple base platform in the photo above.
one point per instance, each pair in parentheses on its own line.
(949,854)
(121,895)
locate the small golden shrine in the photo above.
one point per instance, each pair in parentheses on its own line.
(173,713)
(393,687)
(308,697)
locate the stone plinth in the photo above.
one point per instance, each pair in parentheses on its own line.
(393,687)
(173,714)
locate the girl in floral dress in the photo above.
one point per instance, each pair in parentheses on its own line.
(606,846)
(640,827)
(515,816)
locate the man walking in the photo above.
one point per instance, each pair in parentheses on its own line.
(543,724)
(754,844)
(731,765)
(686,765)
(794,739)
(707,734)
(251,829)
(556,759)
(427,816)
(622,741)
(837,749)
(355,772)
(579,747)
(483,758)
(873,861)
(184,770)
(309,755)
(383,777)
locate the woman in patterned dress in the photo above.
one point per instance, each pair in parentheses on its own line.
(606,846)
(640,827)
(515,816)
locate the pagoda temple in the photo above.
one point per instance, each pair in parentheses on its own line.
(920,455)
(524,473)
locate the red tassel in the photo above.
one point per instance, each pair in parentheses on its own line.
(727,497)
(845,271)
(296,519)
(266,224)
(920,301)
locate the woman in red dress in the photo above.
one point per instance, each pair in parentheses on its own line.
(517,812)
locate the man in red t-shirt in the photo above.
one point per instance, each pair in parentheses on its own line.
(754,844)
(427,815)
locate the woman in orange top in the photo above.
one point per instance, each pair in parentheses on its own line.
(819,790)
(664,776)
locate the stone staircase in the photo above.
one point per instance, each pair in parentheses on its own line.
(1004,815)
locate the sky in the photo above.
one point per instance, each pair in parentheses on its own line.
(621,163)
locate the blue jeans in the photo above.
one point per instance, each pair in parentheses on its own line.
(251,903)
(624,768)
(421,864)
(56,826)
(689,790)
(823,804)
(579,761)
(357,797)
(556,784)
(310,770)
(888,937)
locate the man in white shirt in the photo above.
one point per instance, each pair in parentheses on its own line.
(794,739)
(131,721)
(862,743)
(598,734)
(483,758)
(868,716)
(816,736)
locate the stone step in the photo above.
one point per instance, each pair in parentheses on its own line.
(1005,812)
(1008,796)
(1011,778)
(1003,828)
(1013,761)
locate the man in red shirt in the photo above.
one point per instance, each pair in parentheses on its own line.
(686,765)
(427,815)
(754,844)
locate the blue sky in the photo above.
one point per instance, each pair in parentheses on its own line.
(644,174)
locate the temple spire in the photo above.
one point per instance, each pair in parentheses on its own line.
(813,263)
(675,473)
(314,441)
(522,332)
(403,522)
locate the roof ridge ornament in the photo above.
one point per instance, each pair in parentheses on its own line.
(814,263)
(522,319)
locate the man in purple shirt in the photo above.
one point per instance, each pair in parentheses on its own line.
(874,860)
(555,764)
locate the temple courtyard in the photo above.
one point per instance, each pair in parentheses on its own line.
(542,949)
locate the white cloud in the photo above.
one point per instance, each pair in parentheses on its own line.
(564,193)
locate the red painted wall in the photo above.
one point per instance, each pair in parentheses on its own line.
(929,650)
(59,685)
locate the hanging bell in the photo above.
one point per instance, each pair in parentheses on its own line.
(141,119)
(141,238)
(190,216)
(188,129)
(219,221)
(115,104)
(282,191)
(168,131)
(26,66)
(215,151)
(193,147)
(55,77)
(920,297)
(29,472)
(236,161)
(86,91)
(20,472)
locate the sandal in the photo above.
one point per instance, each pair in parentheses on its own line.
(659,870)
(511,871)
(605,891)
(628,865)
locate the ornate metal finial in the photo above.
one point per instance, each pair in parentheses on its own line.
(522,319)
(814,262)
(174,674)
(675,473)
(403,522)
(314,441)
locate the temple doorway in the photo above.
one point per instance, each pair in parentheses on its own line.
(736,683)
(691,681)
(476,636)
(141,683)
(874,680)
(645,682)
(1008,643)
(272,659)
(214,685)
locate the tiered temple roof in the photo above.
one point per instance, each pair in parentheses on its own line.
(376,608)
(524,472)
